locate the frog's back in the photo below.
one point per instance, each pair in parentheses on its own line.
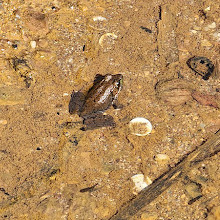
(98,99)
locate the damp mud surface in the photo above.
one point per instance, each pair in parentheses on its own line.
(49,167)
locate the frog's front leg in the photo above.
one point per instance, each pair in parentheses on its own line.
(98,121)
(116,104)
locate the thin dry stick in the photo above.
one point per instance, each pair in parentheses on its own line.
(147,195)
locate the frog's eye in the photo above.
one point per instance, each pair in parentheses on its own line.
(120,82)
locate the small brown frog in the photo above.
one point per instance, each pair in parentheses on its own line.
(99,98)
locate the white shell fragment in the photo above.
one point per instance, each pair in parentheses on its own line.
(107,35)
(3,122)
(33,44)
(212,25)
(140,126)
(162,158)
(140,183)
(99,18)
(207,9)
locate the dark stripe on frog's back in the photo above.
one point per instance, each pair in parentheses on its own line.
(96,84)
(98,78)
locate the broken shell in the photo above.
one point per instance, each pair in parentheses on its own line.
(140,183)
(140,126)
(105,37)
(174,92)
(161,158)
(201,65)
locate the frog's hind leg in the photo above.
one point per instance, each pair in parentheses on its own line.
(76,102)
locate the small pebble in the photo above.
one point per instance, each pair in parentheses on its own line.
(43,43)
(33,44)
(65,94)
(216,35)
(212,25)
(3,122)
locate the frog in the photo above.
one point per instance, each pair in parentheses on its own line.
(100,97)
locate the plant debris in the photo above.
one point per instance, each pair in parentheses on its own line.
(201,65)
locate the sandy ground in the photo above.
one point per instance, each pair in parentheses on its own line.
(48,48)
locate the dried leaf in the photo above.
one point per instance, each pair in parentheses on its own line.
(205,99)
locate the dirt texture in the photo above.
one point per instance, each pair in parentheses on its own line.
(49,167)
